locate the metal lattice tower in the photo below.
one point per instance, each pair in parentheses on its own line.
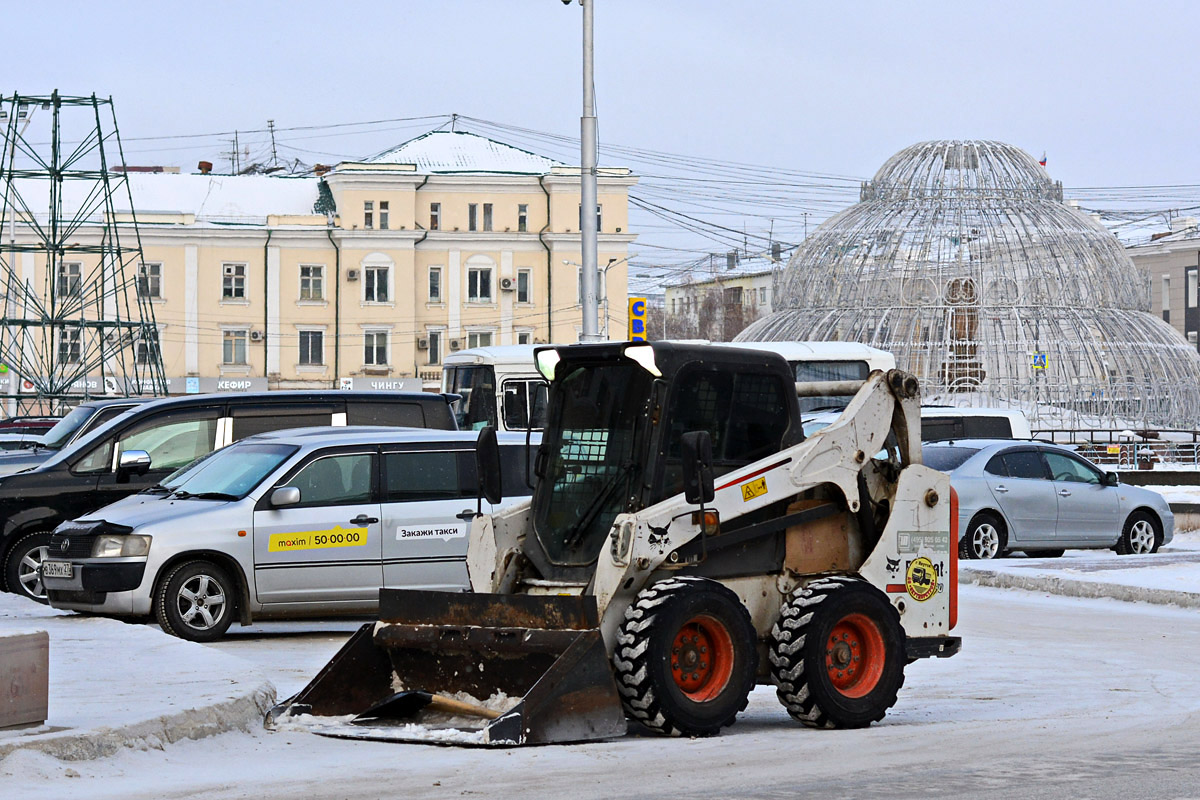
(74,324)
(963,260)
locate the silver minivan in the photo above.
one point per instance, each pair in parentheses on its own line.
(307,522)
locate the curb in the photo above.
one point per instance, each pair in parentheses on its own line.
(1068,587)
(239,713)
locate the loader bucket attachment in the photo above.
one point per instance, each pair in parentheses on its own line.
(539,660)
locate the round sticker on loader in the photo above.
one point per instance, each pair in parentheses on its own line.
(921,580)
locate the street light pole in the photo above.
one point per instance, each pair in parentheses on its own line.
(587,187)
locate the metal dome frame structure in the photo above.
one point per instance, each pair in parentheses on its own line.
(963,260)
(82,328)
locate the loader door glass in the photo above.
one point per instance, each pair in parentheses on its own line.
(746,415)
(593,442)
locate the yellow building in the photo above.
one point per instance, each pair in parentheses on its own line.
(371,272)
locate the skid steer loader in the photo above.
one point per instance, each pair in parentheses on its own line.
(684,542)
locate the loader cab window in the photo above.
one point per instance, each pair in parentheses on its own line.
(745,413)
(807,371)
(590,457)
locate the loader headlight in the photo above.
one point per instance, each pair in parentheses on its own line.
(643,354)
(120,546)
(622,542)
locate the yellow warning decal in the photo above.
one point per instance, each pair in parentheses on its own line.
(313,540)
(754,489)
(921,579)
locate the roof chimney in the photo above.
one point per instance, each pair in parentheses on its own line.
(205,167)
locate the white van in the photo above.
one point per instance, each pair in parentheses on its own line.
(500,386)
(300,523)
(942,423)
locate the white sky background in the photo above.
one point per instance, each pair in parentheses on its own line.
(1105,89)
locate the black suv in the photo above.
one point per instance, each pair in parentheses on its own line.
(111,461)
(82,419)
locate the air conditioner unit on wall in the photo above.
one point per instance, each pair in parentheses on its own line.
(456,344)
(507,284)
(422,344)
(256,336)
(351,274)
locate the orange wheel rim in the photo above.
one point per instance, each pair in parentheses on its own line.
(854,655)
(702,658)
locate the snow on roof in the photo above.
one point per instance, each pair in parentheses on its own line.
(214,198)
(444,152)
(746,267)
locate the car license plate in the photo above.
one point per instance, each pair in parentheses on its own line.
(56,569)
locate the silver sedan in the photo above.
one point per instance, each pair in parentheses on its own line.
(1042,499)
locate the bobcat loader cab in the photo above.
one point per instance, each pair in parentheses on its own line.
(683,543)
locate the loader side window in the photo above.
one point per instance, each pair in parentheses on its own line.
(745,413)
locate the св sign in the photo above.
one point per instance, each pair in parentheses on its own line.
(637,319)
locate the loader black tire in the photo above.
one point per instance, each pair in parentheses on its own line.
(686,657)
(837,654)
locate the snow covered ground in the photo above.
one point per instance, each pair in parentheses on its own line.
(1051,697)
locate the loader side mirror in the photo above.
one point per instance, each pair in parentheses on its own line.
(696,455)
(487,464)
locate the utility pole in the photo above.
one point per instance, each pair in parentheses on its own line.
(274,155)
(587,187)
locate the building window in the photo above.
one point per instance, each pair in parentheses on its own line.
(70,274)
(1166,298)
(233,282)
(312,282)
(368,214)
(312,348)
(435,216)
(1191,288)
(435,347)
(435,284)
(599,207)
(146,348)
(762,295)
(523,278)
(487,216)
(70,345)
(375,284)
(375,348)
(233,347)
(473,217)
(479,339)
(479,284)
(383,215)
(524,337)
(149,281)
(522,217)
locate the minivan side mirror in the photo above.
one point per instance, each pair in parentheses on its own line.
(1110,479)
(134,462)
(696,455)
(285,496)
(487,465)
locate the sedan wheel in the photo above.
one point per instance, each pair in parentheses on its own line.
(984,540)
(1140,536)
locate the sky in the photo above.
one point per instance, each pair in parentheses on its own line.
(805,91)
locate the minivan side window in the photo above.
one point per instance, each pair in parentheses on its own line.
(172,443)
(403,415)
(171,439)
(425,475)
(335,480)
(249,420)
